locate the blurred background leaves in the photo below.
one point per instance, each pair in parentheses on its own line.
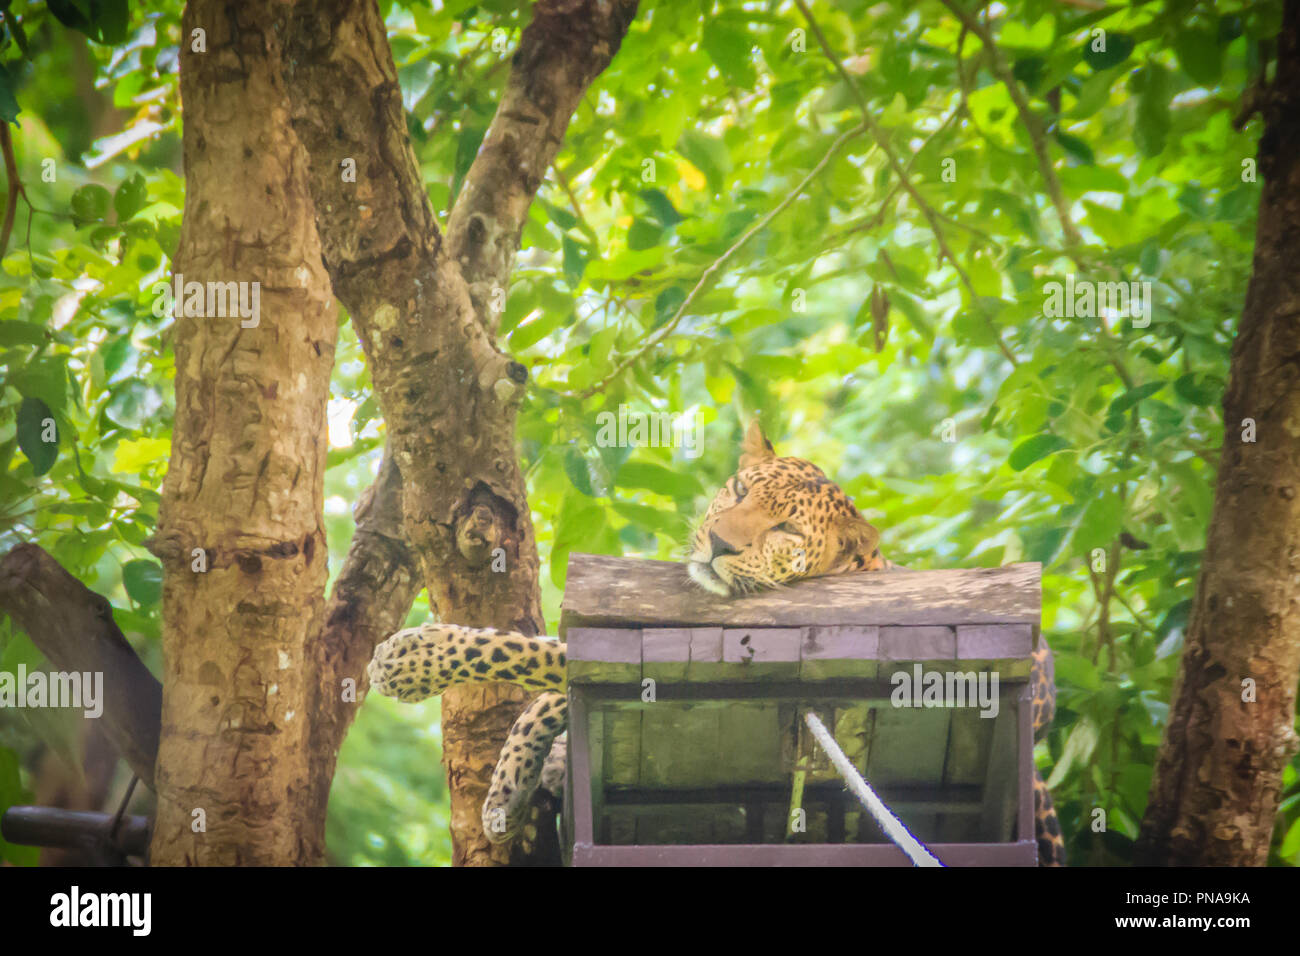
(837,323)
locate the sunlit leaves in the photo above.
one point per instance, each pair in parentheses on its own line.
(703,122)
(134,455)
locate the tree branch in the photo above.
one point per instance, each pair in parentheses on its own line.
(882,140)
(15,186)
(74,628)
(370,599)
(1033,123)
(448,394)
(565,47)
(668,327)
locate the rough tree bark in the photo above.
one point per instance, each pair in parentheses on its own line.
(249,645)
(263,677)
(1218,775)
(421,302)
(372,594)
(245,481)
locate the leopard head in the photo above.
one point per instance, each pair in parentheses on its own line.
(778,520)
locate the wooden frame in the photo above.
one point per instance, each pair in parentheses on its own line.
(654,661)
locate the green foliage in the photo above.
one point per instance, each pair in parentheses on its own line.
(1093,453)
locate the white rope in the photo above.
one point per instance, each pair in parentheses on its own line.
(893,827)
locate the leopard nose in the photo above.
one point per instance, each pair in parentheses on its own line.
(718,547)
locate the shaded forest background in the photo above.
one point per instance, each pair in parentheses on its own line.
(970,427)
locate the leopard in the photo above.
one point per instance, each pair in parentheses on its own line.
(776,521)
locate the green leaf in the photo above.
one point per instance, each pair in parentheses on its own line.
(1076,147)
(143,581)
(1093,94)
(561,217)
(1015,34)
(533,331)
(90,203)
(1152,122)
(134,455)
(1078,749)
(1081,179)
(9,108)
(1196,492)
(1199,390)
(650,519)
(643,235)
(35,423)
(575,466)
(467,144)
(661,207)
(575,261)
(13,332)
(130,197)
(46,379)
(1077,671)
(1134,395)
(667,303)
(729,49)
(72,13)
(1117,47)
(1029,70)
(112,17)
(1099,525)
(657,478)
(1034,449)
(708,154)
(1199,55)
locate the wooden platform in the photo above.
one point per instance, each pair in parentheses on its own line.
(686,733)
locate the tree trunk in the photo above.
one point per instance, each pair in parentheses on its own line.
(1231,727)
(245,482)
(422,302)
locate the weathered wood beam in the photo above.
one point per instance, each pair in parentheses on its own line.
(608,592)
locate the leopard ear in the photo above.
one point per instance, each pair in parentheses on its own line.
(855,544)
(755,448)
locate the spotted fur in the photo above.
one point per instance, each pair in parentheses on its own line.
(777,520)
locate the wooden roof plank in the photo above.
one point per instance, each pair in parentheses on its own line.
(604,591)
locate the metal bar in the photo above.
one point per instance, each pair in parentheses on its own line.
(892,826)
(52,827)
